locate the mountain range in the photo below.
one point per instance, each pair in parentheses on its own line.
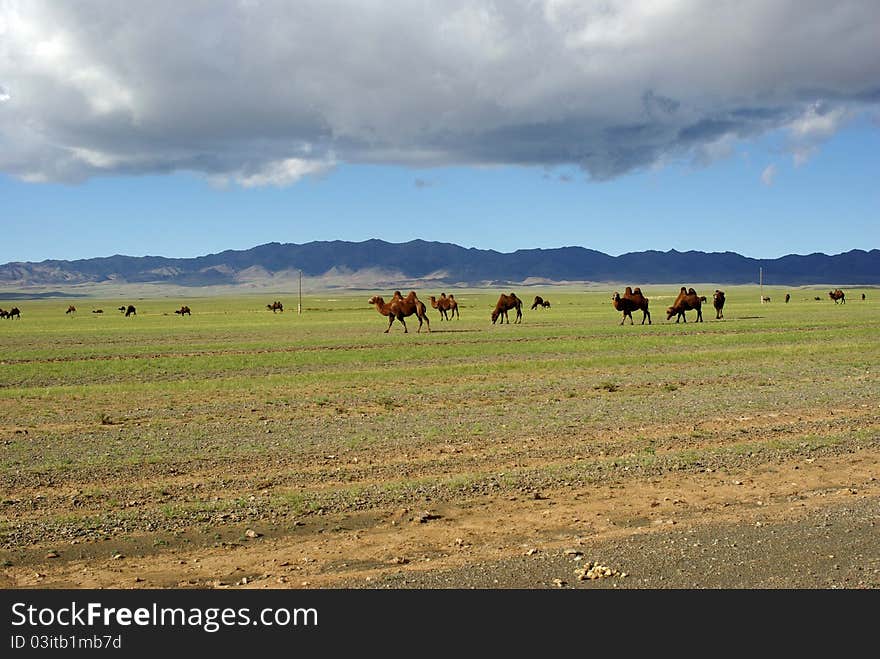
(376,262)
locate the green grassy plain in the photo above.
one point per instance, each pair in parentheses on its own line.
(157,425)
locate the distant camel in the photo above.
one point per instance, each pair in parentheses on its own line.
(71,309)
(506,303)
(540,303)
(838,296)
(183,311)
(129,310)
(787,298)
(863,297)
(275,306)
(97,311)
(400,307)
(13,313)
(764,298)
(632,300)
(444,305)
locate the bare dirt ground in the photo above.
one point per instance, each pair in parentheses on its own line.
(774,520)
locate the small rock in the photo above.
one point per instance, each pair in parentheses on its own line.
(53,554)
(532,552)
(250,533)
(559,583)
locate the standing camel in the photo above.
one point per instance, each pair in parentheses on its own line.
(400,307)
(506,303)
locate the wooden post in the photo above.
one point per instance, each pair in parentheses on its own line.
(299,307)
(761,282)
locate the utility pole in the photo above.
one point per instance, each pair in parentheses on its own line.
(761,283)
(299,307)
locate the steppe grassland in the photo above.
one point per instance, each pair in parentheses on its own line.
(161,427)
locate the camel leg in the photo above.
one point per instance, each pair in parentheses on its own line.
(405,330)
(390,322)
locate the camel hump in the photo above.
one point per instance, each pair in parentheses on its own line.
(628,291)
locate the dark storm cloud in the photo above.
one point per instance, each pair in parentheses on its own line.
(265,92)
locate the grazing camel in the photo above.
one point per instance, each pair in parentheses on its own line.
(275,306)
(765,299)
(632,300)
(183,311)
(97,311)
(444,305)
(71,309)
(401,307)
(838,296)
(129,310)
(718,303)
(506,303)
(686,301)
(13,313)
(540,303)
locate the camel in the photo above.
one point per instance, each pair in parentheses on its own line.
(444,305)
(128,311)
(275,306)
(71,309)
(400,307)
(718,303)
(506,303)
(632,300)
(12,313)
(540,303)
(787,298)
(97,311)
(686,300)
(183,311)
(838,296)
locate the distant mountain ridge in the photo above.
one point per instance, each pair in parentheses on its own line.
(449,264)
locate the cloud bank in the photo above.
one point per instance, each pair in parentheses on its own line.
(264,92)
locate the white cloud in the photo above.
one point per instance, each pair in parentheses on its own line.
(264,93)
(817,124)
(280,173)
(768,175)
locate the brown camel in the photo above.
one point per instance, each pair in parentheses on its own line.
(632,300)
(71,309)
(275,306)
(183,311)
(540,303)
(686,300)
(506,303)
(444,305)
(401,307)
(718,303)
(838,296)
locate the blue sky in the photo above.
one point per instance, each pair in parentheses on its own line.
(762,149)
